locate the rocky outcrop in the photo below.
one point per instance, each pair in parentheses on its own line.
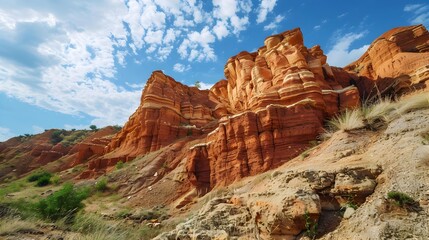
(282,207)
(168,111)
(280,96)
(271,105)
(22,154)
(396,61)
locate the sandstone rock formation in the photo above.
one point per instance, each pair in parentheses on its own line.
(396,61)
(22,154)
(271,105)
(168,111)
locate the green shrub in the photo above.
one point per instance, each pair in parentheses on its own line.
(101,185)
(64,203)
(401,199)
(119,165)
(57,136)
(37,175)
(43,181)
(55,179)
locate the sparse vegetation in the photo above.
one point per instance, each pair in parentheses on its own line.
(55,179)
(119,165)
(384,110)
(57,136)
(117,128)
(310,226)
(101,185)
(12,224)
(401,199)
(93,127)
(74,137)
(348,120)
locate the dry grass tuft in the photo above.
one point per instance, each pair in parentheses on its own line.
(409,103)
(378,111)
(384,110)
(14,224)
(349,120)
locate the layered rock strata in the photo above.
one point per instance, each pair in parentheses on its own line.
(396,61)
(271,105)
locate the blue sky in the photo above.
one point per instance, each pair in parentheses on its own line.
(70,64)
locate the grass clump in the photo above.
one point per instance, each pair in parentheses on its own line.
(64,203)
(101,185)
(372,114)
(12,224)
(348,120)
(119,165)
(401,199)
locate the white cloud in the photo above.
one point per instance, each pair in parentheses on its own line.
(197,46)
(135,85)
(178,67)
(220,29)
(5,134)
(265,7)
(274,24)
(78,54)
(340,55)
(73,50)
(317,27)
(205,86)
(420,13)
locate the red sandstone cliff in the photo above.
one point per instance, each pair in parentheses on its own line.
(271,105)
(396,61)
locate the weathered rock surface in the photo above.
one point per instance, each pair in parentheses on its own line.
(22,154)
(168,111)
(396,61)
(272,103)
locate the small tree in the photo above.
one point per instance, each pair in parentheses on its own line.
(198,84)
(93,127)
(56,137)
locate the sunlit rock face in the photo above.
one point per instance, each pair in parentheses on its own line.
(272,103)
(279,97)
(396,61)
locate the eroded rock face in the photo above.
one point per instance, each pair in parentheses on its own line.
(280,96)
(271,105)
(168,111)
(396,61)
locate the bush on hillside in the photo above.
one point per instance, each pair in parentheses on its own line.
(63,204)
(38,175)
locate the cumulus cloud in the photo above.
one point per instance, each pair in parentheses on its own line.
(197,46)
(274,24)
(68,63)
(340,55)
(420,13)
(5,134)
(178,67)
(265,7)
